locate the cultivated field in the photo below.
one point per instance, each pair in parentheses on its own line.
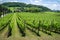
(30,26)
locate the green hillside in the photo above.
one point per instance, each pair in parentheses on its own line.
(26,7)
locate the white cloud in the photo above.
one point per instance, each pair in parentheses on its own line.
(13,1)
(52,6)
(36,1)
(56,6)
(49,4)
(39,0)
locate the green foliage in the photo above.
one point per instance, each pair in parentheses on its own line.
(19,22)
(46,24)
(4,10)
(5,21)
(26,7)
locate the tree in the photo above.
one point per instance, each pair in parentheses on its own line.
(4,10)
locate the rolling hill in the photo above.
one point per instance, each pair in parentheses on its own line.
(27,7)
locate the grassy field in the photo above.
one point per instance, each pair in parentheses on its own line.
(30,26)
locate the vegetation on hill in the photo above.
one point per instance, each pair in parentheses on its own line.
(26,7)
(4,10)
(22,7)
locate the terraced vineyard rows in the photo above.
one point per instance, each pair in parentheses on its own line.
(20,26)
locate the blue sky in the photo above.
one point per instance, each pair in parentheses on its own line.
(52,4)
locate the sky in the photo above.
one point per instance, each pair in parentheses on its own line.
(52,4)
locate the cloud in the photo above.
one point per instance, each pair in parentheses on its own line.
(9,0)
(52,4)
(36,1)
(13,1)
(55,6)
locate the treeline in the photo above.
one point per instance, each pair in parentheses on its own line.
(31,9)
(4,10)
(26,7)
(56,11)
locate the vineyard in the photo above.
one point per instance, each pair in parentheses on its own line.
(30,26)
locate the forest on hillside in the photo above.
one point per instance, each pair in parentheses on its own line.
(21,7)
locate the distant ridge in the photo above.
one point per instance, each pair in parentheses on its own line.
(24,5)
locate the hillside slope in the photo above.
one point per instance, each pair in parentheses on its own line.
(27,7)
